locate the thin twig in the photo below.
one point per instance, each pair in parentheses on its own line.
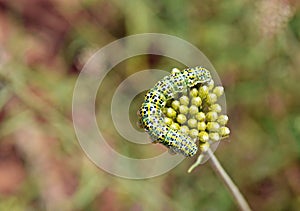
(197,163)
(238,197)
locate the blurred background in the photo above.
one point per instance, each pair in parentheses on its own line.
(255,48)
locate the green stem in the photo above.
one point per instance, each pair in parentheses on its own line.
(237,195)
(235,192)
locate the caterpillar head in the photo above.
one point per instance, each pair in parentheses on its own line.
(196,75)
(203,74)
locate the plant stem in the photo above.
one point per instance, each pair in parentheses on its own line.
(237,195)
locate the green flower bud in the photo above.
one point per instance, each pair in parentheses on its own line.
(211,98)
(214,136)
(219,90)
(175,104)
(193,110)
(175,126)
(203,136)
(194,92)
(192,123)
(203,91)
(183,109)
(211,116)
(224,131)
(196,101)
(193,133)
(184,100)
(212,126)
(222,119)
(200,116)
(210,84)
(201,126)
(168,121)
(181,118)
(204,146)
(215,107)
(185,129)
(171,113)
(164,110)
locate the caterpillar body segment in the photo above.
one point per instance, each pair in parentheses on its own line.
(165,87)
(159,132)
(152,117)
(179,83)
(180,143)
(155,97)
(153,121)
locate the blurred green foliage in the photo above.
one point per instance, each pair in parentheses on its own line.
(255,48)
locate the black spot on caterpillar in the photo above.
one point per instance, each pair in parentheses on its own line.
(152,117)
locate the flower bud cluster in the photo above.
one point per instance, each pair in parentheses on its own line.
(198,114)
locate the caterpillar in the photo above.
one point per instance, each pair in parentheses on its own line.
(152,117)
